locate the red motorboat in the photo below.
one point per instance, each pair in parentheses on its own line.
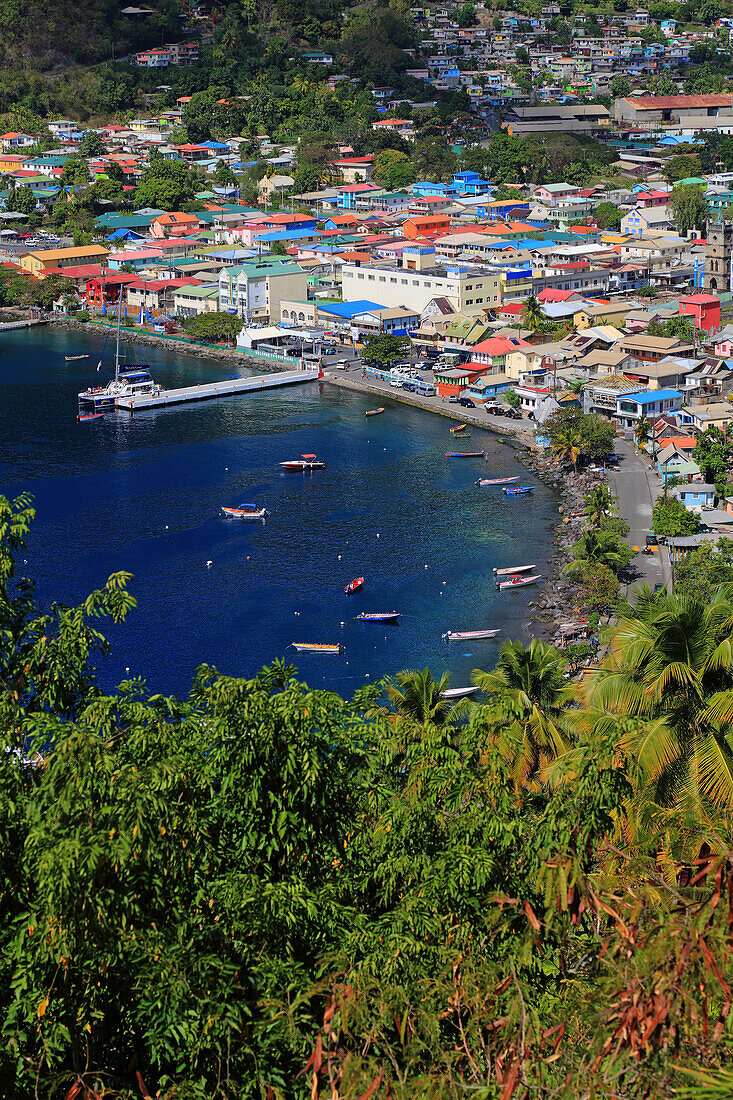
(354,586)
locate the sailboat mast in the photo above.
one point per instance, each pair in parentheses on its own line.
(117,350)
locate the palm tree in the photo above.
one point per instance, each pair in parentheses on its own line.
(599,503)
(419,699)
(642,431)
(671,665)
(532,316)
(567,443)
(598,548)
(530,681)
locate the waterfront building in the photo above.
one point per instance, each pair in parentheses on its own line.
(40,262)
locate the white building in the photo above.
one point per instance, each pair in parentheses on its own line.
(470,288)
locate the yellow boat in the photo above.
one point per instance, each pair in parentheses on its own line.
(373,412)
(459,428)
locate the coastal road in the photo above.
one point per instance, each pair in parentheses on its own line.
(636,487)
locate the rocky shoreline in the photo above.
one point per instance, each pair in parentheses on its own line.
(558,600)
(199,351)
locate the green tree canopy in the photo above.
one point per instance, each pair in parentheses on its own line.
(689,207)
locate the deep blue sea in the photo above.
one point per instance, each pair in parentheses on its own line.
(144,494)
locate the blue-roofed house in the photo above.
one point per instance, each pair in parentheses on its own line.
(695,496)
(650,404)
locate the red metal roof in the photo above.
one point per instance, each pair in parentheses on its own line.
(662,102)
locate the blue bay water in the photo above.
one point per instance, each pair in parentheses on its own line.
(144,494)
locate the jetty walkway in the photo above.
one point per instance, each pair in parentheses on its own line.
(207,390)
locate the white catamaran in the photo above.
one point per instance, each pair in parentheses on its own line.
(132,381)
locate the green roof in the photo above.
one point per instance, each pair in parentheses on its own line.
(198,291)
(258,267)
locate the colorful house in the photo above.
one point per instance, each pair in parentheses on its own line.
(703,310)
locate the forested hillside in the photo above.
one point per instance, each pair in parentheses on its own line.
(42,34)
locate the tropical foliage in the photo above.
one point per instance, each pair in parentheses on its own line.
(264,890)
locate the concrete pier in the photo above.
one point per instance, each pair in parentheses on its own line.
(207,390)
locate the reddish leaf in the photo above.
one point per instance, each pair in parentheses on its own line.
(373,1087)
(143,1091)
(529,911)
(510,1081)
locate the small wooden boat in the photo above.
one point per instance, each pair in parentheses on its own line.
(518,582)
(513,570)
(458,693)
(317,647)
(373,412)
(459,428)
(305,462)
(465,454)
(519,490)
(496,480)
(468,635)
(354,586)
(378,616)
(246,511)
(89,416)
(72,358)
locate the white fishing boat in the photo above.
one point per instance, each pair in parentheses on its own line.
(518,582)
(458,693)
(468,635)
(496,480)
(133,381)
(514,569)
(245,511)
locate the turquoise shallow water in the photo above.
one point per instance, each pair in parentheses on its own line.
(144,493)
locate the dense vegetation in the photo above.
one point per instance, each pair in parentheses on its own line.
(264,890)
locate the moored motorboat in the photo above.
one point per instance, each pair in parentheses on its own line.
(374,412)
(245,511)
(305,462)
(468,635)
(458,693)
(496,480)
(90,416)
(317,647)
(73,358)
(518,491)
(518,582)
(353,586)
(378,616)
(512,570)
(465,454)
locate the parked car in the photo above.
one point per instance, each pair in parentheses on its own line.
(409,386)
(453,399)
(493,408)
(466,402)
(513,414)
(395,384)
(652,540)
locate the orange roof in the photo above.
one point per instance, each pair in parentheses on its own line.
(176,217)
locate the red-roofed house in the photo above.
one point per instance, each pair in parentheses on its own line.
(552,295)
(703,310)
(495,350)
(421,226)
(355,169)
(15,140)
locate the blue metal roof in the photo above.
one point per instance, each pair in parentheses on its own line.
(652,396)
(347,310)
